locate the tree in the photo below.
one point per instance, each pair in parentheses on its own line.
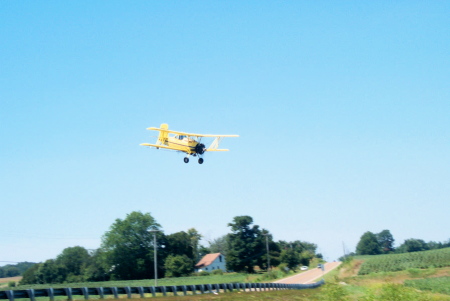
(412,245)
(96,268)
(246,245)
(274,251)
(290,257)
(128,247)
(386,241)
(29,276)
(11,271)
(368,245)
(195,237)
(220,245)
(179,243)
(73,260)
(50,272)
(178,265)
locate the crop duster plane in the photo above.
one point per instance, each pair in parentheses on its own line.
(186,142)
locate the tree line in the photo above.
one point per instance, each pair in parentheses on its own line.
(12,270)
(383,243)
(127,253)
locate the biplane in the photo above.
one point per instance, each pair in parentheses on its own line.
(186,142)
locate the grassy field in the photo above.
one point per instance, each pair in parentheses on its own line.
(436,284)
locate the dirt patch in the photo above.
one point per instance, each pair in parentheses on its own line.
(6,280)
(350,270)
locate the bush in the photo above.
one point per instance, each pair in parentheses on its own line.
(203,273)
(217,272)
(283,268)
(334,292)
(271,275)
(11,284)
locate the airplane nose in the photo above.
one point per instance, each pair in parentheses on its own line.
(200,148)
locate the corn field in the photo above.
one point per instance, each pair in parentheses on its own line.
(398,262)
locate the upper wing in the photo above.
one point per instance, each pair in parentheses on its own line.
(189,134)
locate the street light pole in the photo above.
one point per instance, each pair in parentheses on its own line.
(155,258)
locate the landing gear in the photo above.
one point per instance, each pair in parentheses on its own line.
(186,160)
(200,161)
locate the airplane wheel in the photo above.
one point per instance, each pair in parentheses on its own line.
(200,161)
(186,160)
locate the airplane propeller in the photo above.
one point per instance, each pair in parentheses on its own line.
(200,148)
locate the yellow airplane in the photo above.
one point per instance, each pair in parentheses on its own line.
(185,142)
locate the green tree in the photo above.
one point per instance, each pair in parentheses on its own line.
(73,260)
(29,276)
(179,243)
(274,251)
(50,272)
(290,257)
(178,265)
(128,247)
(11,271)
(220,245)
(245,245)
(386,241)
(368,245)
(306,256)
(195,238)
(96,268)
(412,245)
(202,251)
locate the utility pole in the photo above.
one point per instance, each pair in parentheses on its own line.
(155,258)
(345,254)
(267,247)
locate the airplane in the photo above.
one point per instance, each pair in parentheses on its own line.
(185,142)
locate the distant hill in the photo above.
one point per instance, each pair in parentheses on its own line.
(12,270)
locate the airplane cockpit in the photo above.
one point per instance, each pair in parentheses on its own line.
(181,137)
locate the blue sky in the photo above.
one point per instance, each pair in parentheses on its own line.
(342,108)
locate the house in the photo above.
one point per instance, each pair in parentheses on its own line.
(211,262)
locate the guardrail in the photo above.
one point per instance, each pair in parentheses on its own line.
(101,292)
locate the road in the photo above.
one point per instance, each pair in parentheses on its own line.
(311,275)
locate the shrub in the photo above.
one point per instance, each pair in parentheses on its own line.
(11,284)
(203,273)
(334,292)
(217,272)
(283,268)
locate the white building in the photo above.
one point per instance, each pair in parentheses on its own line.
(211,262)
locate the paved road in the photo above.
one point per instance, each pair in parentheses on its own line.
(310,275)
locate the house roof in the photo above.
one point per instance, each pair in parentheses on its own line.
(207,260)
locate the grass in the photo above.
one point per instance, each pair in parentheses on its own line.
(436,284)
(210,279)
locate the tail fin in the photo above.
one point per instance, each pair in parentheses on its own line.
(163,135)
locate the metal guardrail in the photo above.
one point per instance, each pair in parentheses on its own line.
(101,292)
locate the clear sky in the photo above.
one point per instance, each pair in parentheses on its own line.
(342,107)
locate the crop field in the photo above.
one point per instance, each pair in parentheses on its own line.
(399,262)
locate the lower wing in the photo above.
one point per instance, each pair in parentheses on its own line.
(158,146)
